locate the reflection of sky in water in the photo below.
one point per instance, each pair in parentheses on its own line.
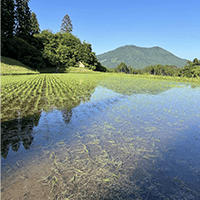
(172,116)
(102,93)
(181,105)
(175,116)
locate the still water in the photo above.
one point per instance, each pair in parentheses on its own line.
(114,146)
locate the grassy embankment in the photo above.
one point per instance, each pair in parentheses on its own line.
(10,66)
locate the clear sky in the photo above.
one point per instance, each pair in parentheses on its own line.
(108,24)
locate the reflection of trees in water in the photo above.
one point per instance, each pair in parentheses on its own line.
(67,114)
(15,131)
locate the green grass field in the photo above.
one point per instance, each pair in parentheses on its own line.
(10,66)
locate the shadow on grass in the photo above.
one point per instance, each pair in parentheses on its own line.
(53,70)
(9,62)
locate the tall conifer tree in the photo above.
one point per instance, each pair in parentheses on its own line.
(7,17)
(34,24)
(23,19)
(66,25)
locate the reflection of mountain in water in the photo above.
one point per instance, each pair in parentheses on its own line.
(15,131)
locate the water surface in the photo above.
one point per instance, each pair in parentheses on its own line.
(123,143)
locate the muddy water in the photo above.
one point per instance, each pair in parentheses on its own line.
(115,146)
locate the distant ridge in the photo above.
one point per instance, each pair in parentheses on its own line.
(139,57)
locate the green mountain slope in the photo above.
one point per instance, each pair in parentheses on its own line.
(139,57)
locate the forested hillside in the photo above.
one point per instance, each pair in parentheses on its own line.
(190,70)
(21,39)
(139,57)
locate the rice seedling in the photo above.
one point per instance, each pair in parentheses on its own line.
(43,91)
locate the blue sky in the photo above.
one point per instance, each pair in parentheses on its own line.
(171,24)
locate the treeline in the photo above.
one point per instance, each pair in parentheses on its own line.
(191,69)
(21,39)
(18,26)
(65,49)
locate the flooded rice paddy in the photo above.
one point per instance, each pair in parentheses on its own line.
(99,137)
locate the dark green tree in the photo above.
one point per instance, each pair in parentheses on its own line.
(122,67)
(7,24)
(164,70)
(66,25)
(26,53)
(60,48)
(7,17)
(23,19)
(191,69)
(34,24)
(66,50)
(196,61)
(17,40)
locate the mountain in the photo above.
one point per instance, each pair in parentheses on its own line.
(139,57)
